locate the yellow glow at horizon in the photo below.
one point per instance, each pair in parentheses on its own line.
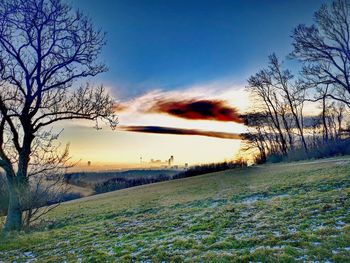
(125,148)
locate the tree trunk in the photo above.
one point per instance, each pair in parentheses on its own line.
(14,212)
(324,120)
(18,186)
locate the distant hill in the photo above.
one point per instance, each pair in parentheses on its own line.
(88,178)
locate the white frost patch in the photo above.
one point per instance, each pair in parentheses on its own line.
(302,258)
(281,196)
(340,223)
(258,197)
(343,162)
(292,230)
(110,252)
(253,199)
(214,205)
(276,233)
(29,254)
(267,247)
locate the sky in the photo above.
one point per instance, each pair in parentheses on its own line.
(177,70)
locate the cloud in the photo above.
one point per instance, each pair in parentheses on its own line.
(197,109)
(120,107)
(180,131)
(187,105)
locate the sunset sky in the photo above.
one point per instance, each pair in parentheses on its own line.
(177,70)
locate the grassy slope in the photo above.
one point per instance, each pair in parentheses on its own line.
(283,212)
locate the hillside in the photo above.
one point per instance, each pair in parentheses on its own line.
(286,212)
(85,183)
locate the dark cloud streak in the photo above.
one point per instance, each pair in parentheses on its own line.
(180,131)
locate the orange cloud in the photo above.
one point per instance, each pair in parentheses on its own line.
(197,110)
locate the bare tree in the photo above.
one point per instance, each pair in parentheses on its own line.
(45,47)
(266,96)
(283,100)
(257,137)
(332,111)
(324,49)
(291,93)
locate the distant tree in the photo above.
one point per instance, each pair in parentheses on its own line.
(45,47)
(324,50)
(283,100)
(291,93)
(257,138)
(266,97)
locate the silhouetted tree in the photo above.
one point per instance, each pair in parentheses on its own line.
(258,137)
(324,49)
(45,47)
(282,99)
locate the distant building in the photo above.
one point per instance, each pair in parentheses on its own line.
(171,160)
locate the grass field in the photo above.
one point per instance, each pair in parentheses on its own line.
(280,212)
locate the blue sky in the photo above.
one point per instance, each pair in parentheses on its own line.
(175,44)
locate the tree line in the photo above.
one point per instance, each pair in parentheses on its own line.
(121,182)
(284,123)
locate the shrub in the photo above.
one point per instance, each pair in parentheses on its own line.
(125,182)
(318,150)
(46,191)
(210,168)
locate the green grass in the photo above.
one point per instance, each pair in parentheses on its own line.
(281,212)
